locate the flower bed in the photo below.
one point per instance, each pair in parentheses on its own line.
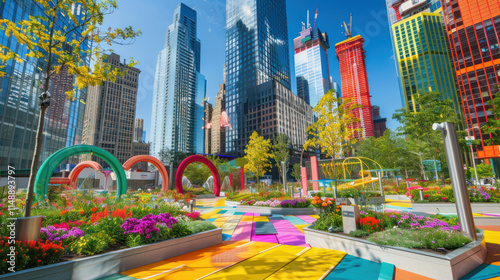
(278,207)
(445,194)
(88,224)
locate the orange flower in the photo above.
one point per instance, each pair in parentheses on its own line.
(324,204)
(81,212)
(63,212)
(313,202)
(94,209)
(316,197)
(329,202)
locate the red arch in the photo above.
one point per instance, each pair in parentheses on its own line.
(156,162)
(205,161)
(59,180)
(73,175)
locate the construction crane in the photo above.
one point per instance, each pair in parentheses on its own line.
(315,17)
(348,28)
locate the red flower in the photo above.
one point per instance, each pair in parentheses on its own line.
(81,212)
(94,209)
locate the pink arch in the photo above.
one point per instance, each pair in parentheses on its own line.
(59,180)
(156,162)
(205,161)
(73,175)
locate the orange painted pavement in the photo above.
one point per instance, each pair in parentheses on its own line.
(400,274)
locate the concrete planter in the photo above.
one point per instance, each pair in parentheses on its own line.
(361,200)
(118,261)
(276,210)
(450,208)
(231,203)
(205,196)
(454,265)
(397,197)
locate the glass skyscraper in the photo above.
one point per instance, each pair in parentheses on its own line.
(256,53)
(312,69)
(179,88)
(19,91)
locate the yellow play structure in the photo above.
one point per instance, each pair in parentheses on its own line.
(347,167)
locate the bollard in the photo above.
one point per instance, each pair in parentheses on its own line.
(380,183)
(457,176)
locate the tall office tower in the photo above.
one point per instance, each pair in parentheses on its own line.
(256,53)
(209,108)
(473,29)
(19,91)
(423,59)
(312,68)
(351,57)
(219,119)
(379,123)
(110,113)
(139,130)
(179,88)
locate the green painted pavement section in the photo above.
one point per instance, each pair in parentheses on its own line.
(386,272)
(264,228)
(484,271)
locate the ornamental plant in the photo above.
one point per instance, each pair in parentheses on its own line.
(148,224)
(91,244)
(370,224)
(296,203)
(66,236)
(326,206)
(194,215)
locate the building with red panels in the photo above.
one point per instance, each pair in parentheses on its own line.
(355,82)
(473,28)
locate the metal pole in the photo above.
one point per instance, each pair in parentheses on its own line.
(436,170)
(457,175)
(474,163)
(284,176)
(380,183)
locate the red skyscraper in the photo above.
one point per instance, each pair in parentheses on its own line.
(355,82)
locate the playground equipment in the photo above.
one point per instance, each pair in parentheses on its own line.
(349,166)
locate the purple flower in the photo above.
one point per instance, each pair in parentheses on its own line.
(148,224)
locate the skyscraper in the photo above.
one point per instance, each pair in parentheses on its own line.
(312,68)
(351,57)
(110,113)
(256,53)
(218,123)
(423,60)
(473,29)
(138,130)
(179,88)
(20,88)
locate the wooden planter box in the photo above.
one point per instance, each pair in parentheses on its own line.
(117,261)
(453,265)
(263,210)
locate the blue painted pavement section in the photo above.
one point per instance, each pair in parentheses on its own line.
(484,271)
(352,267)
(386,272)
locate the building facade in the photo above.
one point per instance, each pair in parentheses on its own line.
(110,113)
(179,88)
(379,123)
(423,59)
(354,83)
(256,53)
(312,70)
(19,91)
(473,29)
(209,108)
(140,148)
(139,130)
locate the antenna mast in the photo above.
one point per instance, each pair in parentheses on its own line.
(308,25)
(348,28)
(315,17)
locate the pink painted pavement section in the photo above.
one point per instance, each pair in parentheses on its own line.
(271,238)
(307,219)
(251,214)
(243,231)
(288,234)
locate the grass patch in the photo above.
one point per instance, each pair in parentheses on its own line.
(420,239)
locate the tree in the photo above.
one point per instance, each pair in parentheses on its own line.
(257,152)
(417,126)
(493,125)
(64,47)
(483,171)
(167,156)
(296,171)
(281,152)
(333,131)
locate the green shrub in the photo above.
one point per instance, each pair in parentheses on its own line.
(327,221)
(91,244)
(431,238)
(359,233)
(200,226)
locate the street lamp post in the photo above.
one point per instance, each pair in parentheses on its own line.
(469,140)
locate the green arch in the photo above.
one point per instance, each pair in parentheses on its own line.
(52,162)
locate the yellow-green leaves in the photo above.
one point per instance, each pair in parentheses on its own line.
(257,152)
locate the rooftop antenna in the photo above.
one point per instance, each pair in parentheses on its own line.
(308,24)
(315,17)
(303,26)
(348,28)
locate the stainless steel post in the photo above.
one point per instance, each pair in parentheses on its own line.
(457,175)
(380,183)
(474,163)
(284,176)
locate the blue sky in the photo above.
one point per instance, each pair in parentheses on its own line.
(153,17)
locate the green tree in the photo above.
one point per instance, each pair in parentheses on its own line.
(296,171)
(482,169)
(60,48)
(281,152)
(493,125)
(417,126)
(257,152)
(333,130)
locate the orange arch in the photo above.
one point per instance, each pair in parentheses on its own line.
(156,162)
(59,180)
(73,175)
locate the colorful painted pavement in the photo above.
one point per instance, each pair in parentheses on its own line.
(249,253)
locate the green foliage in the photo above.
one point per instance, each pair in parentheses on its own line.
(91,244)
(432,238)
(359,233)
(280,151)
(133,240)
(482,169)
(262,196)
(296,171)
(493,121)
(200,226)
(326,221)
